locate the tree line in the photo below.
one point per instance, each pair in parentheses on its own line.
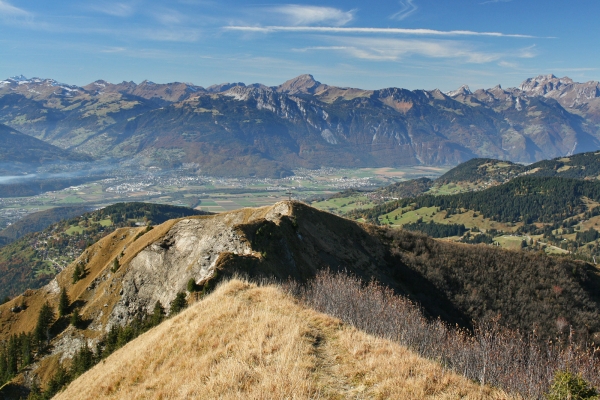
(526,199)
(20,351)
(436,230)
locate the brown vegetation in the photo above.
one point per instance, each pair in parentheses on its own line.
(245,341)
(494,355)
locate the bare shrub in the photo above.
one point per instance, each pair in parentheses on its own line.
(490,354)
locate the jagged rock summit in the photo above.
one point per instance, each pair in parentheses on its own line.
(303,84)
(564,90)
(461,91)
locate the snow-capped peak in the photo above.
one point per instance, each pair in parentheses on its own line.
(463,90)
(18,78)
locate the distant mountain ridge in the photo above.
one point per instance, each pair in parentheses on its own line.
(16,147)
(254,130)
(578,166)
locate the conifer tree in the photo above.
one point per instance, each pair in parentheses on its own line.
(77,273)
(12,356)
(82,361)
(63,303)
(158,315)
(26,355)
(192,286)
(57,382)
(178,304)
(115,266)
(35,393)
(42,329)
(3,365)
(75,318)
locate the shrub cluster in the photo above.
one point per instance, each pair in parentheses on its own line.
(490,354)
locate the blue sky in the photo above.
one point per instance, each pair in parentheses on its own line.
(414,44)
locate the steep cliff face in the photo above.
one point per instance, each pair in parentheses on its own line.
(190,249)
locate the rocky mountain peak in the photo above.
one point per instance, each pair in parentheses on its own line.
(461,91)
(301,84)
(18,78)
(222,87)
(542,84)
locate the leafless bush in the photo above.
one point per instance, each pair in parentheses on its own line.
(491,354)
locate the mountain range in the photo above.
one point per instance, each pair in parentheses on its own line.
(256,130)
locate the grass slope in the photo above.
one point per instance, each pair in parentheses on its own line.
(245,341)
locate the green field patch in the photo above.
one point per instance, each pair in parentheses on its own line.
(510,242)
(342,205)
(244,203)
(470,219)
(47,269)
(406,216)
(72,200)
(105,222)
(208,203)
(74,229)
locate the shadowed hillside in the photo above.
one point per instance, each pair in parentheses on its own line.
(16,147)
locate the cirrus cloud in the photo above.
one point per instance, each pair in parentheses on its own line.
(7,9)
(295,14)
(385,49)
(338,29)
(408,8)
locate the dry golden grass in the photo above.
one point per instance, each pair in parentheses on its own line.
(245,341)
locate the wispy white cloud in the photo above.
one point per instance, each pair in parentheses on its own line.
(495,1)
(408,8)
(169,35)
(169,17)
(380,49)
(115,9)
(113,50)
(397,31)
(507,64)
(527,52)
(305,49)
(8,10)
(295,14)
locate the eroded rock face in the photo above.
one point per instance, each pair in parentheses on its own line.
(189,250)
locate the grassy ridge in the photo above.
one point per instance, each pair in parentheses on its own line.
(245,341)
